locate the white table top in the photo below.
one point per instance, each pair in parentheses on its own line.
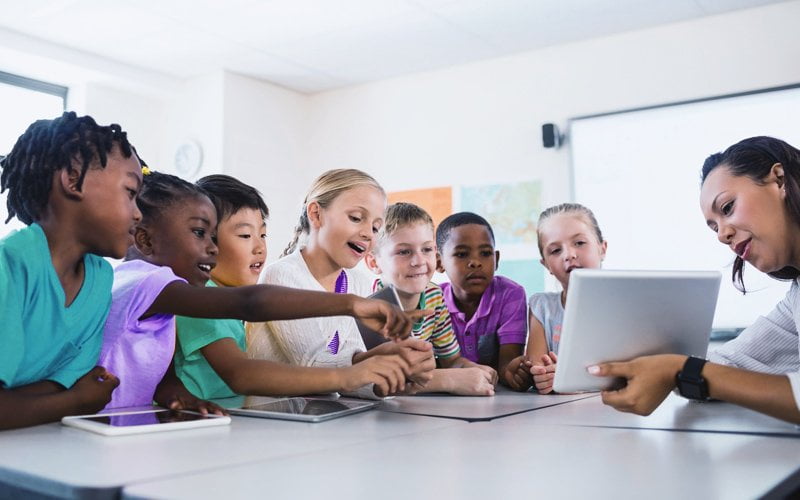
(475,408)
(675,413)
(58,460)
(508,458)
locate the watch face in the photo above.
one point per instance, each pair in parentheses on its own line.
(188,159)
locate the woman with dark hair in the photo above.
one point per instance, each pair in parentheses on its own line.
(750,197)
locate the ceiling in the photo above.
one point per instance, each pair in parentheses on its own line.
(317,45)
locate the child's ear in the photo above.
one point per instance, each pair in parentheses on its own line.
(496,259)
(313,213)
(603,248)
(68,181)
(372,263)
(439,266)
(142,241)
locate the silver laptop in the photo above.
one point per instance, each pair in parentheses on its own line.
(620,315)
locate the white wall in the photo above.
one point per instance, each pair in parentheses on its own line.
(263,144)
(480,123)
(469,124)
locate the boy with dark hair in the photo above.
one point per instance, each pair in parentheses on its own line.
(488,312)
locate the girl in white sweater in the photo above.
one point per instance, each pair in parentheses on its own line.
(341,217)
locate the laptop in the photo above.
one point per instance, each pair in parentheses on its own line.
(370,337)
(621,315)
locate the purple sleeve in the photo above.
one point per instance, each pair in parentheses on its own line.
(513,318)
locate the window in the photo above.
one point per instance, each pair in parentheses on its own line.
(23,101)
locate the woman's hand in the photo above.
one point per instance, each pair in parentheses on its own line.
(649,380)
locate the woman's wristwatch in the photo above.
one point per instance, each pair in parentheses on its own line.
(690,382)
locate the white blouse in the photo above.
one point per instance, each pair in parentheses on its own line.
(771,344)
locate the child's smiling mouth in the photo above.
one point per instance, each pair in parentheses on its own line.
(359,249)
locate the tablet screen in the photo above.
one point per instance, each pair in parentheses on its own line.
(146,418)
(303,406)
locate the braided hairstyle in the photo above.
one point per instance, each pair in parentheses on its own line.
(48,146)
(161,191)
(324,190)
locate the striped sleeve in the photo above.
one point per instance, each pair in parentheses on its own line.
(444,340)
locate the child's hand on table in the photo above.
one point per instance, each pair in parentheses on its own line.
(544,372)
(517,374)
(93,391)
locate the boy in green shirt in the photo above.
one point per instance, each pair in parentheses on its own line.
(210,356)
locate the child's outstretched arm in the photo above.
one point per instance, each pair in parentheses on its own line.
(46,401)
(267,378)
(270,302)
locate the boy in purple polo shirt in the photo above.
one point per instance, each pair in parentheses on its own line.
(488,312)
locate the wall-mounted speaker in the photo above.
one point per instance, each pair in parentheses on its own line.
(551,136)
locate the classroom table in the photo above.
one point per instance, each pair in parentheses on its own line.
(576,448)
(56,460)
(675,413)
(512,457)
(476,408)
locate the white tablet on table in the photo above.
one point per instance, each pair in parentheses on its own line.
(303,409)
(137,422)
(621,315)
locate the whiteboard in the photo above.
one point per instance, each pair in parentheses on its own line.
(639,171)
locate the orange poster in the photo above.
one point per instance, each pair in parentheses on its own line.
(436,201)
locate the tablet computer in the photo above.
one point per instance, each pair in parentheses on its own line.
(137,422)
(303,409)
(370,337)
(621,315)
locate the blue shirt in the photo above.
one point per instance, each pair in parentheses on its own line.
(40,338)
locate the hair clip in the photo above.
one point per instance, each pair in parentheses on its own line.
(146,170)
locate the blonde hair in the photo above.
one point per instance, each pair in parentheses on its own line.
(402,214)
(324,190)
(568,209)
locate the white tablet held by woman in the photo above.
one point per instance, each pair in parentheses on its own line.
(137,422)
(621,315)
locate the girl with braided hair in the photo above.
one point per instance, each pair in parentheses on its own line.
(176,253)
(74,183)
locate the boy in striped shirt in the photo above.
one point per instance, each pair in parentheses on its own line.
(405,256)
